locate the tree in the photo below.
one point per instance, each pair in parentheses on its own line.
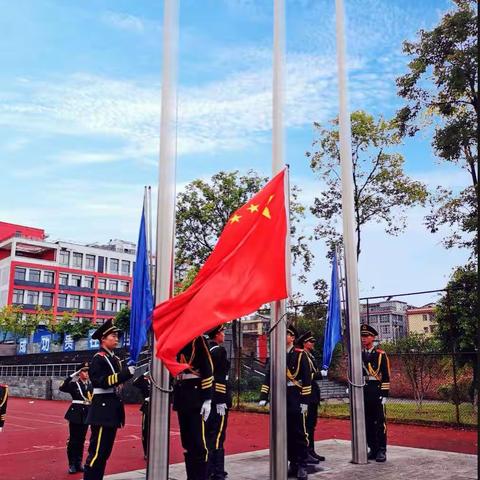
(69,324)
(382,190)
(420,366)
(456,315)
(204,208)
(10,316)
(441,87)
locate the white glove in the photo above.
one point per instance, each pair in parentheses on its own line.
(262,403)
(346,390)
(131,369)
(303,408)
(222,409)
(75,374)
(1,429)
(324,373)
(205,410)
(384,400)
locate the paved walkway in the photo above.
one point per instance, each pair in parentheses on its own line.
(403,463)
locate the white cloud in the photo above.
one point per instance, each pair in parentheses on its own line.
(124,21)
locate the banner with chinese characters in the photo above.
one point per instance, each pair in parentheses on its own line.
(45,342)
(22,346)
(68,343)
(93,344)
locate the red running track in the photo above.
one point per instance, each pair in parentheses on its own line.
(32,445)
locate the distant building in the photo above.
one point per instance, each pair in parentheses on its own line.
(95,280)
(422,319)
(389,318)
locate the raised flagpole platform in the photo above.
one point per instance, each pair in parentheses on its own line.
(403,463)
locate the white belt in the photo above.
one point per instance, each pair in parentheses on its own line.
(147,399)
(81,402)
(371,377)
(187,376)
(101,391)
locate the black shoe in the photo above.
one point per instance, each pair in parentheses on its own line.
(316,455)
(292,470)
(79,467)
(381,456)
(312,460)
(72,469)
(302,473)
(372,455)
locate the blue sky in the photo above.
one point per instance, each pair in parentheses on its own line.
(80,89)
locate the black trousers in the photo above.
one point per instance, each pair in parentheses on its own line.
(375,422)
(311,422)
(216,433)
(297,437)
(99,450)
(194,442)
(76,440)
(145,432)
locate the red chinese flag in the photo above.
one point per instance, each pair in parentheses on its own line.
(245,270)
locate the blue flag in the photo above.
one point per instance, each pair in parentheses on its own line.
(142,300)
(333,327)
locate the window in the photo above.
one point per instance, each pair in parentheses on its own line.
(34,275)
(88,282)
(76,281)
(62,300)
(100,304)
(90,262)
(77,260)
(425,318)
(64,257)
(433,328)
(385,329)
(113,285)
(125,267)
(63,279)
(122,304)
(47,299)
(124,287)
(32,298)
(20,273)
(18,296)
(113,265)
(74,301)
(48,277)
(425,329)
(384,319)
(111,305)
(87,303)
(102,283)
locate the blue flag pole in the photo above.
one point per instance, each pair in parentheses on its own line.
(142,299)
(333,327)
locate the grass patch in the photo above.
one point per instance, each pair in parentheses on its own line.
(397,410)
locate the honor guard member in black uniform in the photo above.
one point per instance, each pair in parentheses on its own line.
(143,383)
(79,387)
(376,371)
(307,342)
(192,400)
(299,389)
(3,404)
(222,401)
(107,412)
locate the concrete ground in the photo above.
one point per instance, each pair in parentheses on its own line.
(403,463)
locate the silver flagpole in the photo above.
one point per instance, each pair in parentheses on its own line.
(359,445)
(160,409)
(278,394)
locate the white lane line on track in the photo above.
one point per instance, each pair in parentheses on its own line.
(36,419)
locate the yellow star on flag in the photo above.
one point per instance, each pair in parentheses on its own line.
(235,219)
(253,208)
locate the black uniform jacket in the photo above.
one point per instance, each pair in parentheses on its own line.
(144,385)
(222,392)
(299,379)
(3,403)
(80,392)
(106,372)
(315,396)
(376,371)
(195,384)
